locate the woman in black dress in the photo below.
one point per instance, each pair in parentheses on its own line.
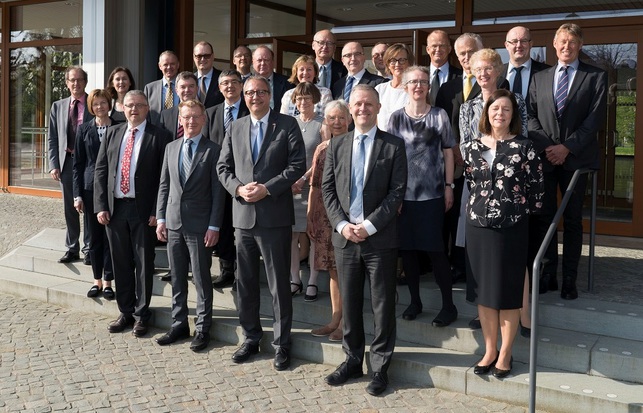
(505,180)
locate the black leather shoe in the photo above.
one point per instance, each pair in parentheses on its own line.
(69,257)
(475,324)
(87,260)
(176,333)
(282,359)
(501,374)
(223,280)
(343,373)
(525,331)
(121,323)
(94,291)
(200,341)
(167,277)
(458,276)
(478,369)
(108,293)
(568,290)
(377,385)
(548,282)
(244,352)
(139,329)
(234,285)
(412,311)
(445,317)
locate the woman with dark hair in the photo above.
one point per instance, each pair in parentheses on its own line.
(397,58)
(88,139)
(505,180)
(305,70)
(305,96)
(120,82)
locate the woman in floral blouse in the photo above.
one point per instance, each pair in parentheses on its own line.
(505,179)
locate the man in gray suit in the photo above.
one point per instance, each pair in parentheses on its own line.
(363,187)
(189,215)
(161,94)
(64,118)
(262,156)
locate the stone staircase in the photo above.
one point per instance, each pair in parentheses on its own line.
(590,352)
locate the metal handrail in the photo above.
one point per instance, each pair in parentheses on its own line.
(533,350)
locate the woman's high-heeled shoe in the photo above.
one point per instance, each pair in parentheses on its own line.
(499,373)
(479,370)
(298,290)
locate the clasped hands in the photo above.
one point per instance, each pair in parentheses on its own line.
(354,232)
(556,154)
(252,192)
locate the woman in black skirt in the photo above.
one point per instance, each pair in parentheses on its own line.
(505,180)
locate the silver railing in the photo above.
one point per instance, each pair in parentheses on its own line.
(533,350)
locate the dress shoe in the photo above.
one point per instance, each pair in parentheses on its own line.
(568,290)
(343,373)
(244,352)
(108,293)
(412,311)
(322,331)
(282,359)
(478,369)
(94,291)
(200,341)
(458,276)
(176,333)
(224,280)
(337,335)
(69,257)
(87,260)
(167,277)
(500,374)
(525,331)
(475,324)
(378,384)
(121,323)
(445,317)
(548,282)
(311,297)
(298,288)
(140,328)
(234,285)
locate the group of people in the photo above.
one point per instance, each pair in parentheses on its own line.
(349,169)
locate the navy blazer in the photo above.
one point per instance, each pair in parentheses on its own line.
(213,96)
(337,71)
(213,128)
(535,68)
(367,79)
(169,120)
(280,85)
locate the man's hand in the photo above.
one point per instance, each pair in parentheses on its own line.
(152,221)
(211,238)
(252,192)
(55,174)
(78,205)
(354,233)
(103,217)
(298,186)
(556,154)
(161,232)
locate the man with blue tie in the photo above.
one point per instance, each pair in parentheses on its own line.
(330,70)
(354,59)
(363,187)
(262,156)
(263,61)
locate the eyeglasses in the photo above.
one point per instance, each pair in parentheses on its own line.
(332,119)
(300,99)
(239,56)
(324,43)
(401,61)
(352,55)
(135,105)
(421,82)
(486,69)
(226,83)
(76,80)
(514,42)
(202,56)
(260,93)
(192,117)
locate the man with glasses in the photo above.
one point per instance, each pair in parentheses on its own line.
(208,92)
(242,60)
(263,61)
(219,119)
(161,94)
(438,47)
(354,59)
(126,185)
(262,156)
(186,88)
(190,212)
(377,57)
(521,67)
(330,70)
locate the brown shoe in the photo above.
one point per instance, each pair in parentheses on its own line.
(322,331)
(337,335)
(121,323)
(139,329)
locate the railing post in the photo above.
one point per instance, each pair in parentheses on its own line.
(592,234)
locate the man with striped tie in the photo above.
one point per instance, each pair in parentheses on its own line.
(567,108)
(186,88)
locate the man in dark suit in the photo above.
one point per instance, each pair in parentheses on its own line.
(158,90)
(363,187)
(438,47)
(353,59)
(330,70)
(186,89)
(262,156)
(242,60)
(263,61)
(207,75)
(189,214)
(64,118)
(521,67)
(567,108)
(219,119)
(126,185)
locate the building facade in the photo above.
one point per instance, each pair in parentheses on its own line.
(40,38)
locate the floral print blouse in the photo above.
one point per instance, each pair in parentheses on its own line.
(503,193)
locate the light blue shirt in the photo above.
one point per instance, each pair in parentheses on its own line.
(524,75)
(572,68)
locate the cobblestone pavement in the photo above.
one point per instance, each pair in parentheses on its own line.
(54,359)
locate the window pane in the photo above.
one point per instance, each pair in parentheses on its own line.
(269,22)
(37,80)
(57,20)
(212,24)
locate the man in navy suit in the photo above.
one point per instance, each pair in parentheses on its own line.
(438,47)
(263,61)
(186,88)
(567,108)
(353,59)
(207,75)
(330,70)
(65,117)
(242,60)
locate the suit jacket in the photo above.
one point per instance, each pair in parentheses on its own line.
(384,186)
(57,133)
(535,68)
(197,204)
(582,118)
(146,177)
(280,84)
(367,79)
(154,93)
(337,71)
(213,128)
(281,162)
(85,154)
(213,96)
(169,120)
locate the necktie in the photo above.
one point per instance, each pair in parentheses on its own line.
(126,162)
(348,88)
(202,90)
(322,76)
(468,85)
(187,161)
(256,144)
(435,86)
(179,129)
(228,118)
(72,126)
(518,80)
(561,91)
(169,96)
(357,179)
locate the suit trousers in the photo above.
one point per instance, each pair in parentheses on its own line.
(99,252)
(72,218)
(355,264)
(560,178)
(225,246)
(132,242)
(183,249)
(273,244)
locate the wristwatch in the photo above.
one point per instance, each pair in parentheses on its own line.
(450,184)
